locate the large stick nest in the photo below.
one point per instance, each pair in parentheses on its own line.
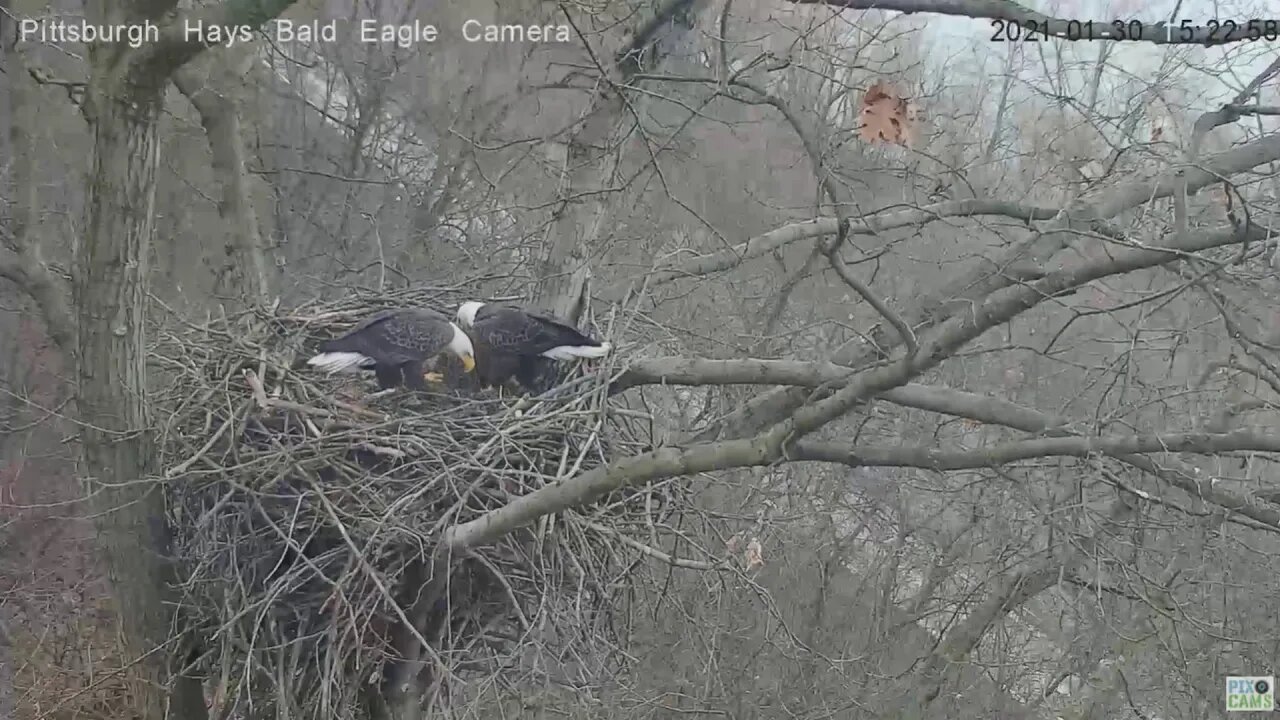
(305,513)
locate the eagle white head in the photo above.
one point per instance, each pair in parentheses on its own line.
(461,346)
(467,313)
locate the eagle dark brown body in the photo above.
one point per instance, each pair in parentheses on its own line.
(396,345)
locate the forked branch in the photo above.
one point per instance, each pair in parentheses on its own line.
(773,444)
(840,204)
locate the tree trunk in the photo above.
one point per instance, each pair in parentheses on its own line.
(566,265)
(110,289)
(123,103)
(245,272)
(589,161)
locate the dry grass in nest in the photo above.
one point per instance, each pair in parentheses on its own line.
(304,514)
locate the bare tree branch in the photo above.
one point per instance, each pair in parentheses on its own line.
(933,458)
(26,270)
(957,403)
(1113,201)
(1242,110)
(1235,109)
(588,159)
(984,280)
(840,204)
(866,225)
(1011,591)
(770,446)
(22,263)
(798,373)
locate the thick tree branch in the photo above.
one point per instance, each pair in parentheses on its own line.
(699,371)
(20,257)
(1242,110)
(770,446)
(246,257)
(1159,33)
(947,401)
(177,47)
(933,458)
(1010,592)
(639,52)
(1235,109)
(753,248)
(1113,201)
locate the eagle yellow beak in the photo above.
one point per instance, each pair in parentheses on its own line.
(468,363)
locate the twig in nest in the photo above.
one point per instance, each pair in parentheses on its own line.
(295,503)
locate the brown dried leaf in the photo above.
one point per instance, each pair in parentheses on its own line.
(887,117)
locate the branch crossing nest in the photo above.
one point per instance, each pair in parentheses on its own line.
(303,514)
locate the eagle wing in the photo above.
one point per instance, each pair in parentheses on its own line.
(396,336)
(564,329)
(502,333)
(526,331)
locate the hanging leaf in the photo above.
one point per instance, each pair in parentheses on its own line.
(887,117)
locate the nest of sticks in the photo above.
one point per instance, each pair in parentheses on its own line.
(305,513)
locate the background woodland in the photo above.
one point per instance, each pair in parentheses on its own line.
(979,422)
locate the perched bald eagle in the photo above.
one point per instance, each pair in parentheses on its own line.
(520,341)
(396,344)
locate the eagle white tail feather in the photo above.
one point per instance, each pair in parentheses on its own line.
(569,352)
(338,361)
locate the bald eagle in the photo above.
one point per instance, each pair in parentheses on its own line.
(520,342)
(395,344)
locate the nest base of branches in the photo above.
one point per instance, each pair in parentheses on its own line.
(305,513)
